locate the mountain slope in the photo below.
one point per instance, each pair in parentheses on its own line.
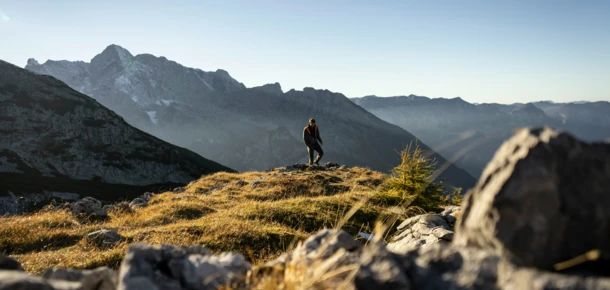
(472,133)
(244,128)
(55,139)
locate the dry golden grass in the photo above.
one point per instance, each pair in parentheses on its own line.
(260,222)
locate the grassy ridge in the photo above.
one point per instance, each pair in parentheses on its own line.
(259,221)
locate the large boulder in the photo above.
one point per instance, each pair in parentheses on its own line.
(543,199)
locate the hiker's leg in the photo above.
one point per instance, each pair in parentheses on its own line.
(310,151)
(320,153)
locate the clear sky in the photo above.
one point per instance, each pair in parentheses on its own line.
(483,51)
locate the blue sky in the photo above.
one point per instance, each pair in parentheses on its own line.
(482,51)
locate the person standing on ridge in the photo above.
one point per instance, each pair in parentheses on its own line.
(311,136)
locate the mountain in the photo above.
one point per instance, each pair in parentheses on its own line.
(469,134)
(244,128)
(58,142)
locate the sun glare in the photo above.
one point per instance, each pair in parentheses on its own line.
(4,16)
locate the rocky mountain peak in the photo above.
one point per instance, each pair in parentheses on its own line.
(112,54)
(32,62)
(272,89)
(528,109)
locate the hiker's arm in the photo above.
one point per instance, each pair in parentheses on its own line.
(318,136)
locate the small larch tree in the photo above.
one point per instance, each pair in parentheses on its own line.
(410,184)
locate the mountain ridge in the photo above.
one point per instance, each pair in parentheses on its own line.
(215,115)
(55,139)
(443,123)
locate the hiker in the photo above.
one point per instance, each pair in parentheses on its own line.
(311,135)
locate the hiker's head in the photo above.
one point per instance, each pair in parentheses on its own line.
(312,122)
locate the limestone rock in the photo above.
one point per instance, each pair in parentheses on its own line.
(444,266)
(138,203)
(422,231)
(256,182)
(543,199)
(170,267)
(88,206)
(381,269)
(241,182)
(102,278)
(104,238)
(226,269)
(141,201)
(13,280)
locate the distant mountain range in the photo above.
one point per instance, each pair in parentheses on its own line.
(244,128)
(56,142)
(469,134)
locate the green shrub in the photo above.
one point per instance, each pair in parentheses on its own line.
(409,183)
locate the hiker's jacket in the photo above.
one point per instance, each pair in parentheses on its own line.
(311,135)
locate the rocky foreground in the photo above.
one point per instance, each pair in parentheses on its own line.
(537,219)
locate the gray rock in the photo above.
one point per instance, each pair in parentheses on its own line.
(121,206)
(102,278)
(331,165)
(353,265)
(256,182)
(138,202)
(170,267)
(104,238)
(88,206)
(328,251)
(213,188)
(225,270)
(451,210)
(381,269)
(422,231)
(8,263)
(241,182)
(443,266)
(178,190)
(325,243)
(13,280)
(542,200)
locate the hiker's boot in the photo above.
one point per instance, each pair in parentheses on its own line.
(310,162)
(317,162)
